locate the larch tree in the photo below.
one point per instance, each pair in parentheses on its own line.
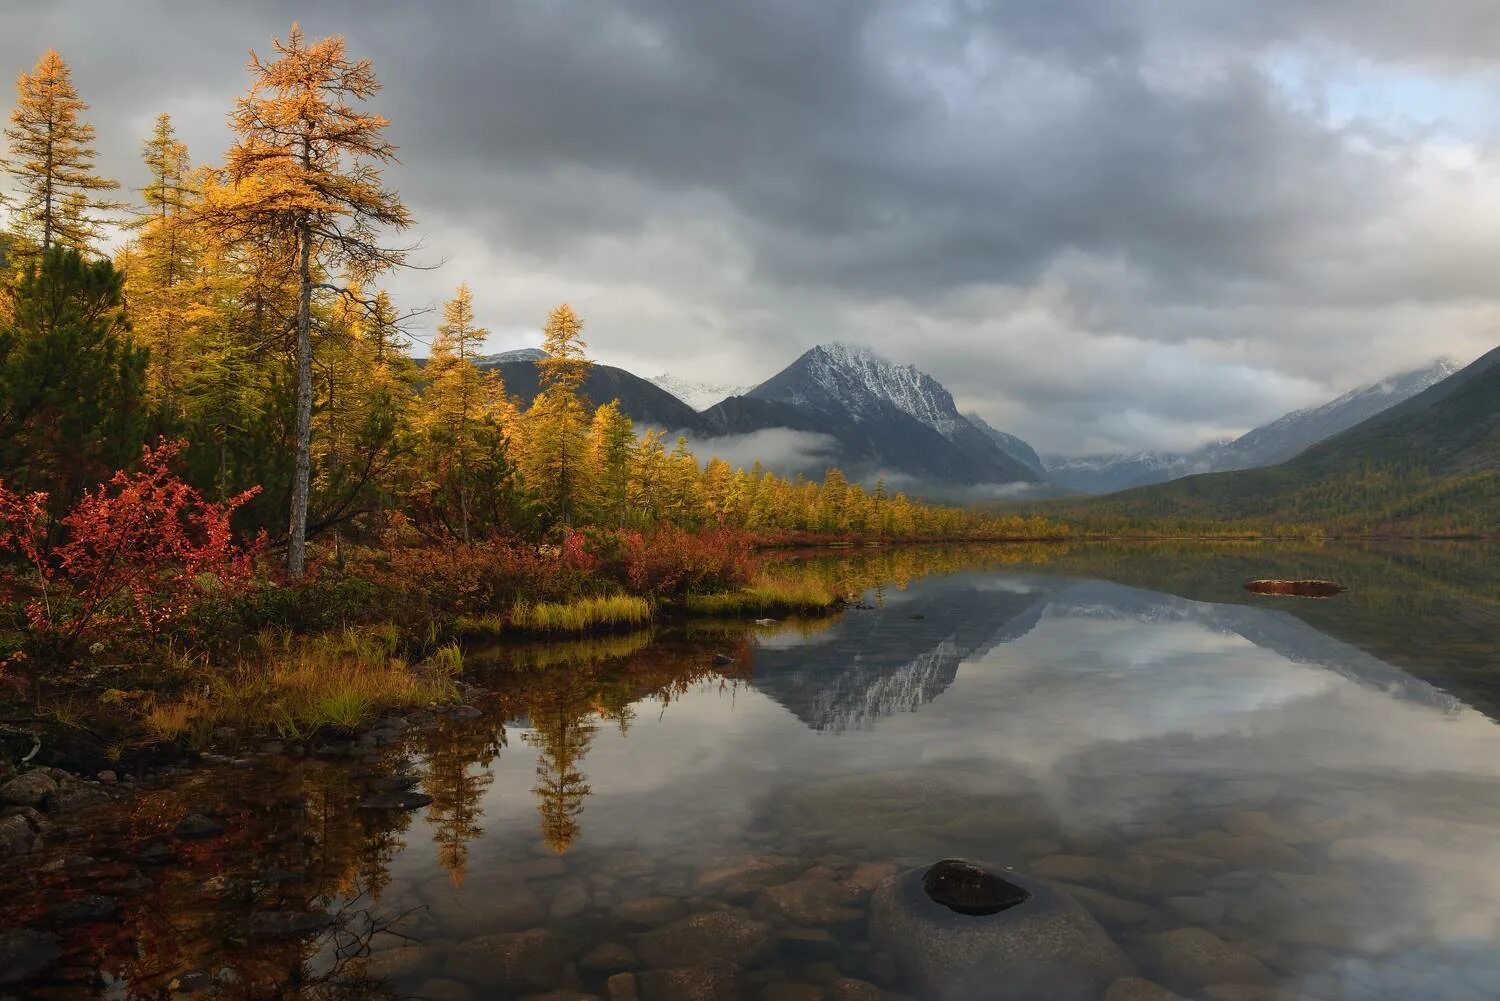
(460,397)
(611,439)
(305,173)
(52,161)
(159,265)
(557,424)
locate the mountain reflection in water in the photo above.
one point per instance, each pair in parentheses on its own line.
(1329,819)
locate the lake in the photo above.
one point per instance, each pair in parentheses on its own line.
(1254,797)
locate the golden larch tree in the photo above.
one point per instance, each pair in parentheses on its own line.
(305,174)
(557,425)
(52,160)
(160,263)
(460,398)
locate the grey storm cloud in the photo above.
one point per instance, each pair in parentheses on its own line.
(1103,226)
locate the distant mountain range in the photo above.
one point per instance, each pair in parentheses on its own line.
(1430,463)
(1264,446)
(847,406)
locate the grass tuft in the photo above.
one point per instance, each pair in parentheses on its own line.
(336,681)
(582,614)
(765,596)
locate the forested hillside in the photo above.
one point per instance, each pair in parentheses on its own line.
(1430,465)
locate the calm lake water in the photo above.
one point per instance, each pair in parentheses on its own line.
(1249,794)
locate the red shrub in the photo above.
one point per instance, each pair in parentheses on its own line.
(672,560)
(133,552)
(486,576)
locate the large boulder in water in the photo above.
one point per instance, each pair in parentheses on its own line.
(966,930)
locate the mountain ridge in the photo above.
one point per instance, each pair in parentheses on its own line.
(1266,445)
(1428,465)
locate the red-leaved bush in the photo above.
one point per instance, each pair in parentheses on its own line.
(670,560)
(132,552)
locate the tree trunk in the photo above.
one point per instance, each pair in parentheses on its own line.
(296,549)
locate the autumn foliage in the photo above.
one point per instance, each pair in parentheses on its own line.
(671,561)
(133,552)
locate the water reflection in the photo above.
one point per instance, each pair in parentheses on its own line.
(1239,798)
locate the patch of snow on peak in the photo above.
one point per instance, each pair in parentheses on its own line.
(698,395)
(519,354)
(842,368)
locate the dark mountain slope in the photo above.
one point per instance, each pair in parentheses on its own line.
(644,402)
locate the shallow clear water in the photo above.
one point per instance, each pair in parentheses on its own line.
(1238,796)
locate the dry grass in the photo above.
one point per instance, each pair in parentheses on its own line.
(765,596)
(581,615)
(338,681)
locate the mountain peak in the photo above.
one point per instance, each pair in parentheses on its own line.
(519,354)
(862,381)
(896,417)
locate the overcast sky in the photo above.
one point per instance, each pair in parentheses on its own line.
(1102,225)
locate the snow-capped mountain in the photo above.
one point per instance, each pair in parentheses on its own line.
(698,395)
(506,357)
(1012,446)
(857,380)
(1266,445)
(886,419)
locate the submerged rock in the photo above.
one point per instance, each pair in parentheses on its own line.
(25,954)
(745,875)
(622,987)
(1192,958)
(196,825)
(647,912)
(1136,989)
(483,905)
(609,957)
(157,853)
(849,989)
(1042,946)
(16,836)
(443,990)
(84,910)
(719,982)
(707,937)
(29,789)
(515,961)
(808,901)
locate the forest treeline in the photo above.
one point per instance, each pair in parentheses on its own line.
(243,315)
(214,345)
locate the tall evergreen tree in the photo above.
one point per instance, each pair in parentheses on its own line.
(72,382)
(52,152)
